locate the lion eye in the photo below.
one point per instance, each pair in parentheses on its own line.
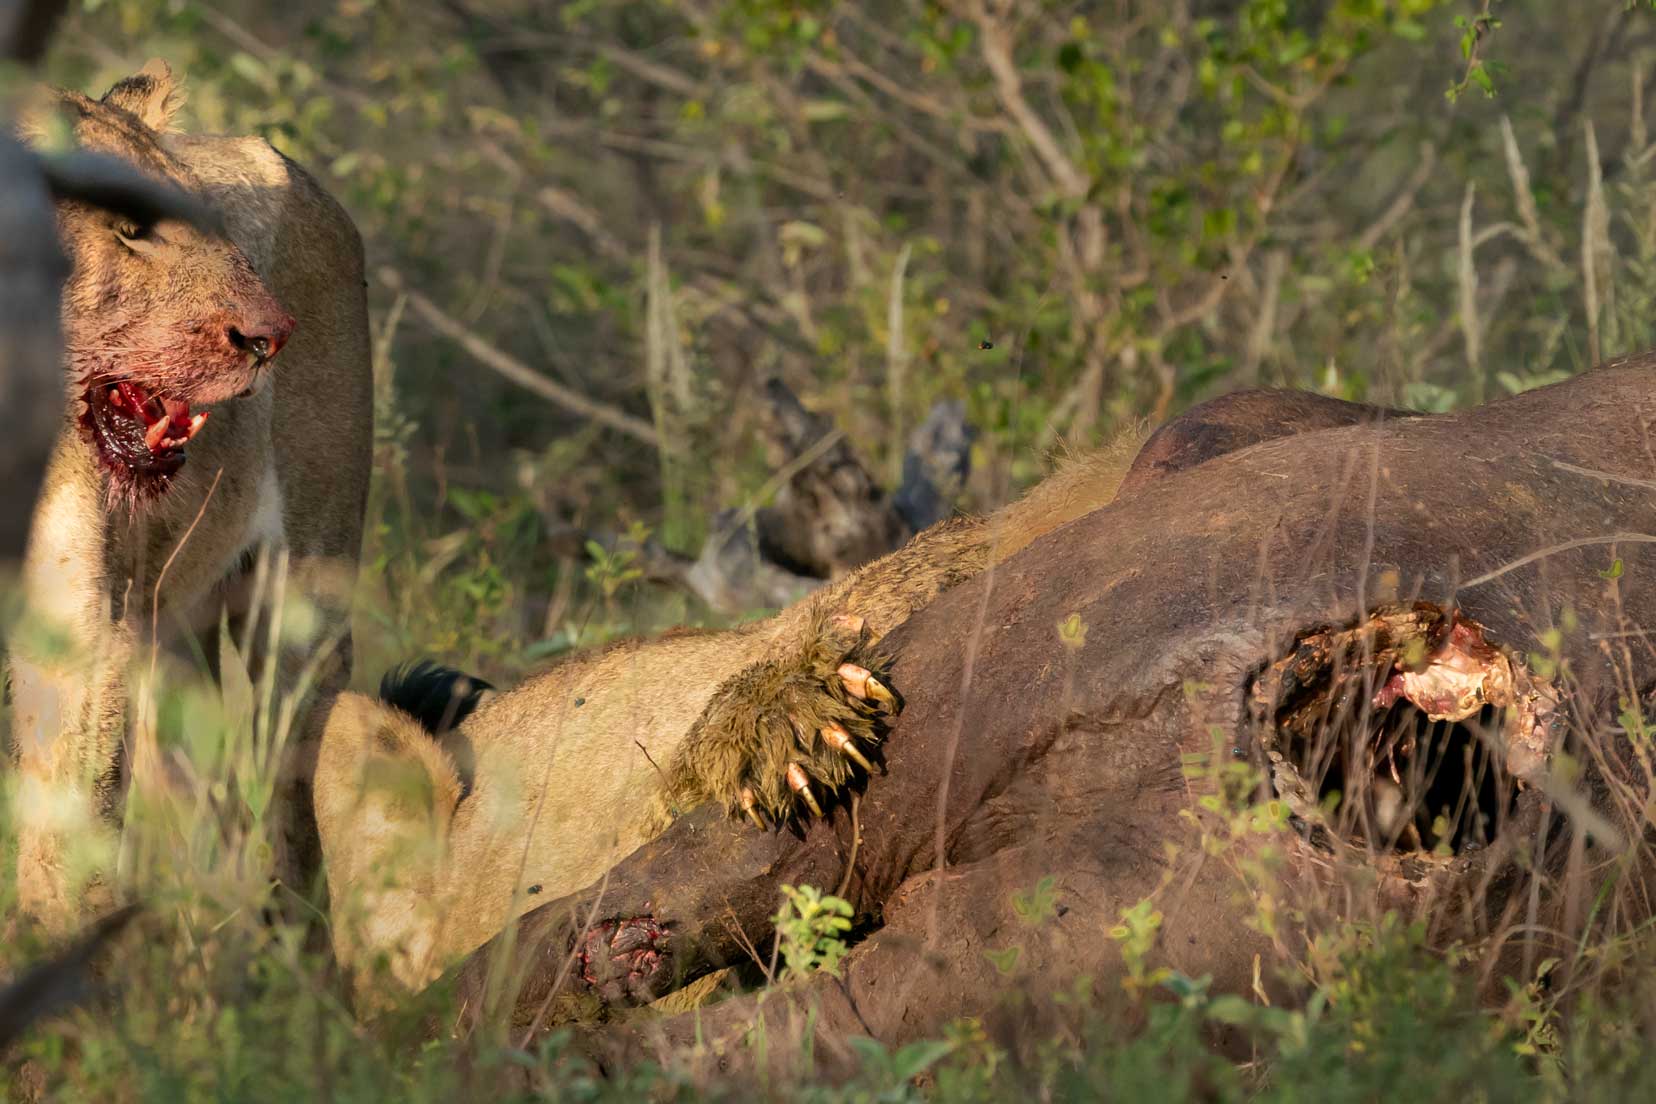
(136,236)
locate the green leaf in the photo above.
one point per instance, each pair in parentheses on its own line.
(1480,77)
(1039,904)
(1005,960)
(1231,1009)
(249,68)
(824,111)
(914,1059)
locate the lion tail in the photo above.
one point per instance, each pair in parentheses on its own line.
(438,697)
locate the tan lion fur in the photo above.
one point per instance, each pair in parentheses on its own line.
(583,763)
(286,467)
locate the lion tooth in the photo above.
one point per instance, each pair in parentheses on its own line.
(155,435)
(195,425)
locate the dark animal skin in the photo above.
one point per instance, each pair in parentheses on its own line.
(1054,707)
(1233,422)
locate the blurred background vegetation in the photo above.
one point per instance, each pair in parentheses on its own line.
(1070,215)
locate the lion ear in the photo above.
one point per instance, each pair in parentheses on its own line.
(153,94)
(48,117)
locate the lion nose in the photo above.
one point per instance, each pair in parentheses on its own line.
(263,337)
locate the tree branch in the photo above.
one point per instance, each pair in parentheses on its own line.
(515,370)
(996,48)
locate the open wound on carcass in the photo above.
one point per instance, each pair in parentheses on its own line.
(1410,731)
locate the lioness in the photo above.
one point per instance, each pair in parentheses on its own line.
(181,454)
(432,846)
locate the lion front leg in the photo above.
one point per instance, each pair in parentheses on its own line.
(67,723)
(311,671)
(785,733)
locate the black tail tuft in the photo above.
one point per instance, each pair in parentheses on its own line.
(438,697)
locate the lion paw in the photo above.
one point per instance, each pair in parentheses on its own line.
(783,734)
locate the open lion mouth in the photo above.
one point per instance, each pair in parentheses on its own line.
(139,431)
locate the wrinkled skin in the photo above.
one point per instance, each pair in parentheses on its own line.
(1235,421)
(188,454)
(1064,710)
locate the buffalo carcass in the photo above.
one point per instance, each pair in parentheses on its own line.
(1351,655)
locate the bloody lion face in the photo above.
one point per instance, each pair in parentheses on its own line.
(161,321)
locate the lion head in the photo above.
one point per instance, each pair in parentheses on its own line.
(160,320)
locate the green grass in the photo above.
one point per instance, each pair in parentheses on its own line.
(209,997)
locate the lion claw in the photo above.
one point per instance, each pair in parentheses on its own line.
(800,783)
(750,805)
(836,737)
(880,692)
(865,685)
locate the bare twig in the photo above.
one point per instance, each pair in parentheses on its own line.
(259,47)
(514,369)
(1403,201)
(567,206)
(1638,137)
(654,72)
(995,45)
(145,753)
(667,383)
(1550,550)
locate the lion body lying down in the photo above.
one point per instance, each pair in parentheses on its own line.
(433,846)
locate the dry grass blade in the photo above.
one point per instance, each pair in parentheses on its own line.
(897,359)
(667,386)
(1261,335)
(1638,137)
(1595,254)
(1524,194)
